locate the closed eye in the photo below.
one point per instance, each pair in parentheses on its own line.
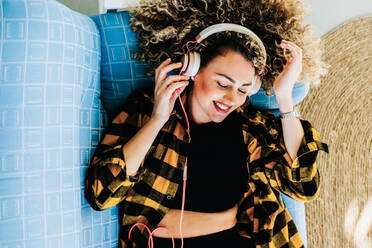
(225,86)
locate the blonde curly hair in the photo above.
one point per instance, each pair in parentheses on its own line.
(163,28)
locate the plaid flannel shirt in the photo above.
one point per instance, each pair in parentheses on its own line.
(145,196)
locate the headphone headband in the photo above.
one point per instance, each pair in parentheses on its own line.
(191,60)
(229,27)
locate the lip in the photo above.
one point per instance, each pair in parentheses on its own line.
(219,109)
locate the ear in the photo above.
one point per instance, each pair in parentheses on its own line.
(196,76)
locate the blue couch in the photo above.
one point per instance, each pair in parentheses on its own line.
(63,77)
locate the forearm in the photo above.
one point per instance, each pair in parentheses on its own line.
(297,177)
(293,132)
(135,149)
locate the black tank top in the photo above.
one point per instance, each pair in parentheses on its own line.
(216,167)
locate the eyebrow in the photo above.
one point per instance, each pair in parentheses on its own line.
(230,79)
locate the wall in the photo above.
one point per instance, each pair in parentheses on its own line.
(325,15)
(86,7)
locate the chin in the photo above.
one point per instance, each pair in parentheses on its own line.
(217,117)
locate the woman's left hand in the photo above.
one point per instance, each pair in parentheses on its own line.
(284,83)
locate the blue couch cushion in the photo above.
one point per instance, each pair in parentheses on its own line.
(50,121)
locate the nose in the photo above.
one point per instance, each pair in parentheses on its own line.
(230,97)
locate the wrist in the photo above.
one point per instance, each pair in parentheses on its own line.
(293,113)
(285,103)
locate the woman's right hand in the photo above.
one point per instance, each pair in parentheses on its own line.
(167,90)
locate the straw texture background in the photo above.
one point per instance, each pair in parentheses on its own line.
(340,109)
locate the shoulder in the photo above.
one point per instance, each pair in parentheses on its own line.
(258,117)
(139,101)
(141,97)
(259,125)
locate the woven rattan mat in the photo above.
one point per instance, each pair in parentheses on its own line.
(340,109)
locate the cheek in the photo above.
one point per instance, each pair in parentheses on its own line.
(206,85)
(243,100)
(209,90)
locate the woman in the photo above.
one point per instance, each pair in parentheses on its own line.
(239,158)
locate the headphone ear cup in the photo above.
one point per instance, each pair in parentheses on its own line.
(194,63)
(185,62)
(251,89)
(190,63)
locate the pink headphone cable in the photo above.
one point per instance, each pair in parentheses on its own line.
(185,169)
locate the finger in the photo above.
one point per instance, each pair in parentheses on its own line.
(176,93)
(165,84)
(295,54)
(157,70)
(163,71)
(290,43)
(291,46)
(164,63)
(289,60)
(172,87)
(174,78)
(288,46)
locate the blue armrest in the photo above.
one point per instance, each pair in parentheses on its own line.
(261,101)
(120,74)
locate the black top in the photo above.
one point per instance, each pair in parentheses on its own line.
(216,168)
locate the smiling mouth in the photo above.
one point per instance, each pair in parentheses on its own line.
(222,108)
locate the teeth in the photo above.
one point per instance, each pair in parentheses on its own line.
(221,106)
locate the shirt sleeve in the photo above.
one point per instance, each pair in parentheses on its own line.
(299,179)
(106,180)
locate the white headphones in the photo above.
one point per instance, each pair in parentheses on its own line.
(191,60)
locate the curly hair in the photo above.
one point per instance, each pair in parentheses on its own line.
(163,28)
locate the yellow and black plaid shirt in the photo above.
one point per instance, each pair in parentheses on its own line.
(145,197)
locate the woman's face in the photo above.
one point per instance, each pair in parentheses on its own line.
(221,87)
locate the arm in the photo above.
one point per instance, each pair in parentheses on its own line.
(115,166)
(118,161)
(292,129)
(135,150)
(299,177)
(289,154)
